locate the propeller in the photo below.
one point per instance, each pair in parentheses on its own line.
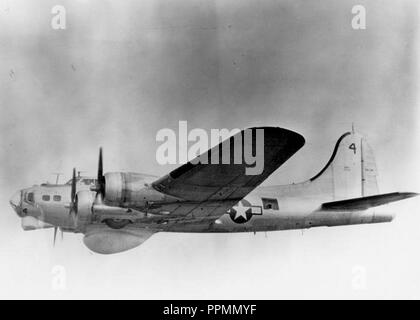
(55,234)
(100,182)
(73,198)
(72,205)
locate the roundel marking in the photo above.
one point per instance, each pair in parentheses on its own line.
(240,214)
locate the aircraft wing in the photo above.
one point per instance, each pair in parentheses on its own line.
(211,189)
(364,203)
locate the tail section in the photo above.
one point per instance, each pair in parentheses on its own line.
(344,192)
(351,171)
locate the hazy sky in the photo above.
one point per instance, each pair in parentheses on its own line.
(122,70)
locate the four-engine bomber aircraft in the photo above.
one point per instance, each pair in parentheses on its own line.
(118,211)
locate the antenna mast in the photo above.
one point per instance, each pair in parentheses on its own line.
(57,174)
(362,167)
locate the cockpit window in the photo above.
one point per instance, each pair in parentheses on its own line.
(71,180)
(30,197)
(57,198)
(85,181)
(46,197)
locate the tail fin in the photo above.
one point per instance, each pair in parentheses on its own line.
(351,171)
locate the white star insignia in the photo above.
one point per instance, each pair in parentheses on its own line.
(241,212)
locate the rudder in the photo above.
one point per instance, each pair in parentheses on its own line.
(351,171)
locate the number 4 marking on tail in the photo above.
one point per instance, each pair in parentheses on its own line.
(353,147)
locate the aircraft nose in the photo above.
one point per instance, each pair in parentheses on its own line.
(15,202)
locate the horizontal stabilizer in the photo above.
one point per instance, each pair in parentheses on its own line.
(364,203)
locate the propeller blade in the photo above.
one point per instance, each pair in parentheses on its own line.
(100,165)
(55,235)
(73,186)
(101,177)
(99,188)
(73,205)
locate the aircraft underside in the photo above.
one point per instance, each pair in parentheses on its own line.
(285,222)
(104,240)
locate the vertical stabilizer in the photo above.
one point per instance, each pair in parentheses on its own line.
(351,171)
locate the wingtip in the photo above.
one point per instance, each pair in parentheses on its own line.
(412,194)
(407,195)
(278,131)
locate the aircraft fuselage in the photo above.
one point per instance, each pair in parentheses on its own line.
(259,211)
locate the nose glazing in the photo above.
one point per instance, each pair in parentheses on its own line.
(15,202)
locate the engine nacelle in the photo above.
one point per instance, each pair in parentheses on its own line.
(84,203)
(125,189)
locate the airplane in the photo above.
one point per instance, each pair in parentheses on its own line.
(119,211)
